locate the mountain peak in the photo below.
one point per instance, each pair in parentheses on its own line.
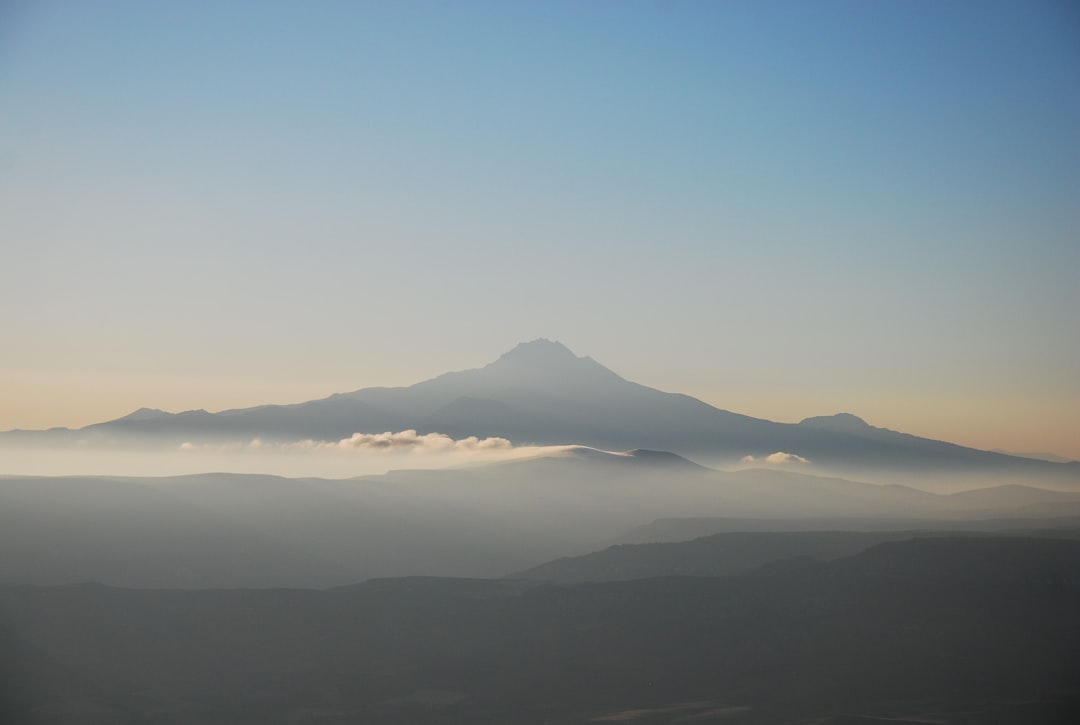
(838,421)
(543,356)
(143,414)
(537,365)
(541,350)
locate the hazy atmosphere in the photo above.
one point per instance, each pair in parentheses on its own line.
(539,363)
(784,209)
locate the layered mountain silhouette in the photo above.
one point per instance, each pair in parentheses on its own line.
(731,553)
(945,630)
(542,393)
(237,530)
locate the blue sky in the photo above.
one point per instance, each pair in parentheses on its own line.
(784,208)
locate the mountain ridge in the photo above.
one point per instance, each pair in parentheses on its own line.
(541,393)
(206,530)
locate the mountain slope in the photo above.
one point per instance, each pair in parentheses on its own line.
(541,393)
(213,530)
(732,553)
(950,631)
(127,533)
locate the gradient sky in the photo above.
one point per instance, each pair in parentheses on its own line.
(783,208)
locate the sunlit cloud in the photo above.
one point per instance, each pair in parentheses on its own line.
(359,454)
(410,440)
(406,441)
(778,458)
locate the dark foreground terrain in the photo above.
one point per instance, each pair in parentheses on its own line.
(942,630)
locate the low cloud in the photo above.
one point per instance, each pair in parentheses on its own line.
(778,458)
(357,455)
(406,441)
(410,440)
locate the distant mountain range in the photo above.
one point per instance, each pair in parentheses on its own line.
(231,530)
(740,552)
(541,393)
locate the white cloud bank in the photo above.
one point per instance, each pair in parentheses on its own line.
(359,454)
(406,441)
(410,440)
(778,458)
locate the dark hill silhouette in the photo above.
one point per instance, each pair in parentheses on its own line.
(845,422)
(733,553)
(541,393)
(670,530)
(954,631)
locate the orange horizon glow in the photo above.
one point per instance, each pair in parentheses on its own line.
(35,400)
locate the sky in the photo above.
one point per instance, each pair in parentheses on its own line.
(785,209)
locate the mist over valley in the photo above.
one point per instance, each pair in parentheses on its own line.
(447,584)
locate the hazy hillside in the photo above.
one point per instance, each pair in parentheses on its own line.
(125,532)
(685,529)
(898,633)
(730,553)
(216,530)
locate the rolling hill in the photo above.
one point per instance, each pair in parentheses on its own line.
(218,530)
(956,631)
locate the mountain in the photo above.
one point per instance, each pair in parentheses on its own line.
(233,530)
(672,530)
(1041,456)
(542,393)
(956,631)
(125,532)
(732,553)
